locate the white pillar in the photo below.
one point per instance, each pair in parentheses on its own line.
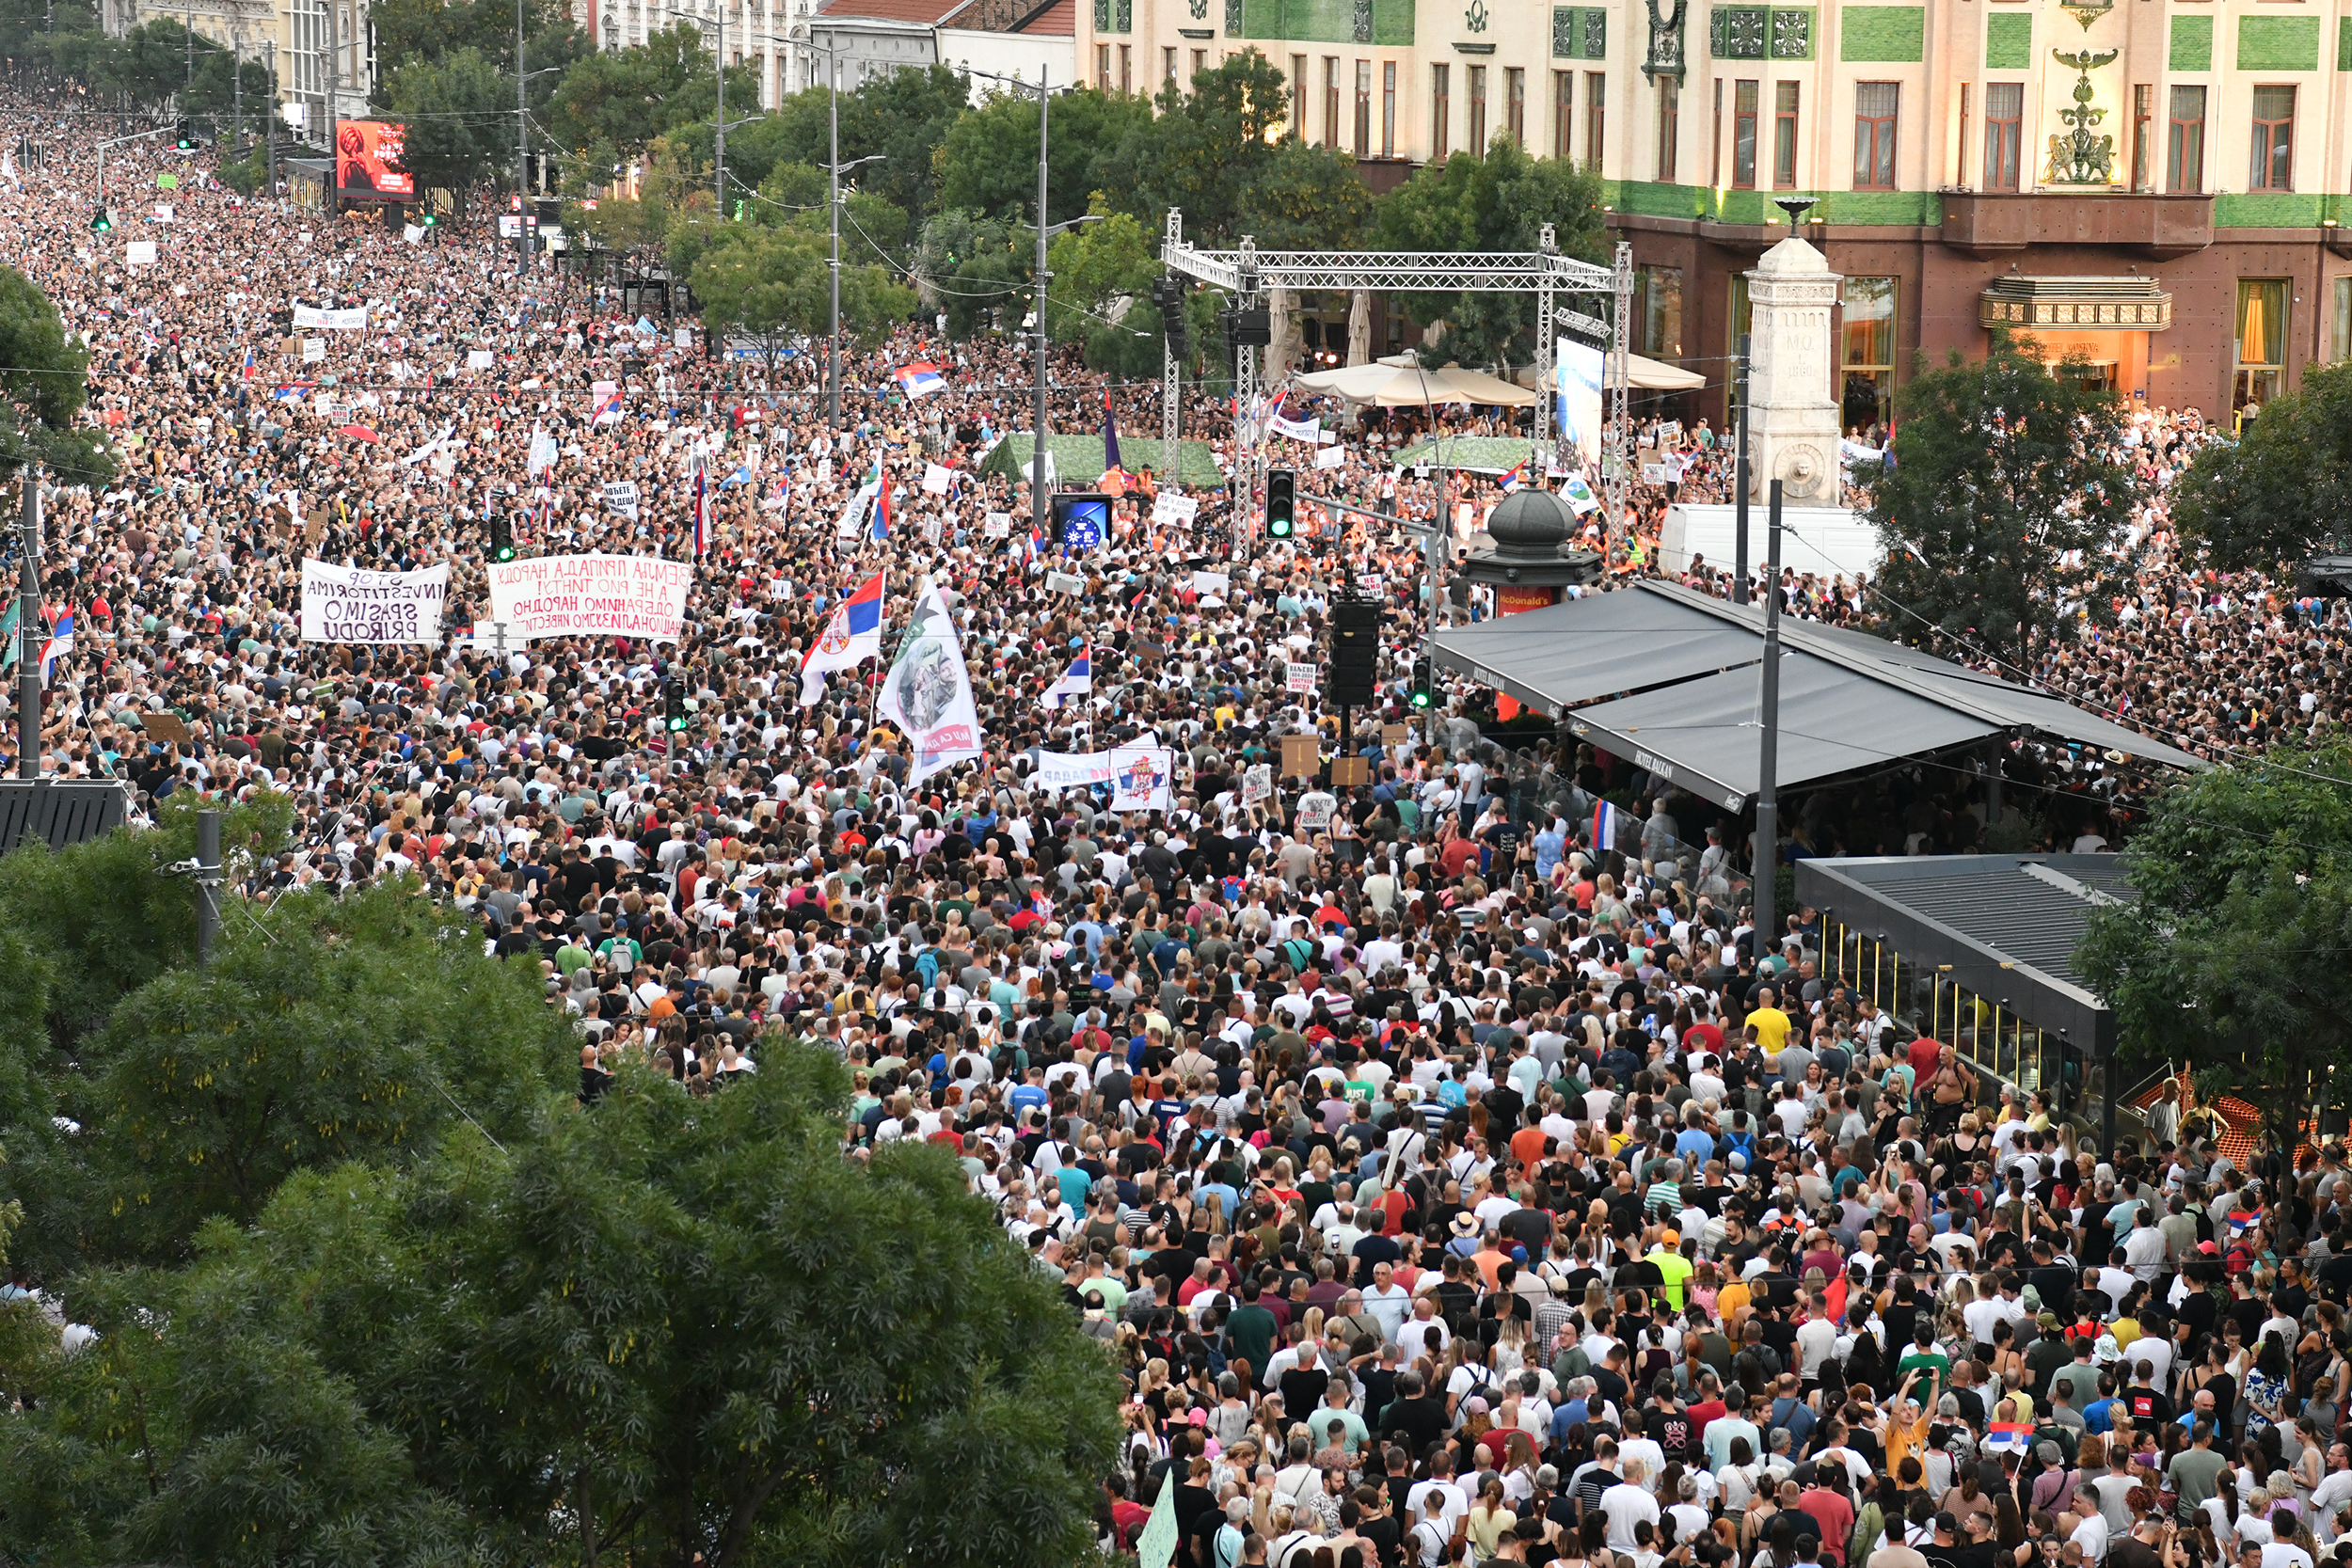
(1792,419)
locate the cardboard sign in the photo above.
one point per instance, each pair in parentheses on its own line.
(1065,583)
(1302,756)
(1396,734)
(1167,507)
(1351,770)
(166,727)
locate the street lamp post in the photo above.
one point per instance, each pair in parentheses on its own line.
(834,168)
(719,60)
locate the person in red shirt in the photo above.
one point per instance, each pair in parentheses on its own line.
(1831,1514)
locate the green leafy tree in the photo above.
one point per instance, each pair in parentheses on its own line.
(765,283)
(432,31)
(661,1330)
(1222,152)
(2234,948)
(459,111)
(628,96)
(2284,488)
(42,387)
(1102,272)
(1497,203)
(987,161)
(2001,476)
(902,114)
(975,265)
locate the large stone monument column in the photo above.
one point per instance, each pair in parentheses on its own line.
(1792,418)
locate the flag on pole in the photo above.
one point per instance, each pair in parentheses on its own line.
(1155,1543)
(542,456)
(59,644)
(920,379)
(1609,822)
(7,633)
(2007,1437)
(1515,478)
(1077,681)
(246,373)
(702,503)
(853,634)
(880,484)
(605,408)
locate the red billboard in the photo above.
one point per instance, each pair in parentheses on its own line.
(367,159)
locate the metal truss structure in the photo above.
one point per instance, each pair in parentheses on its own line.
(1248,273)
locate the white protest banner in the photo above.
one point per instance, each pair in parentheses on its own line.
(480,359)
(353,320)
(1331,457)
(343,603)
(591,595)
(1139,777)
(413,233)
(1653,473)
(1070,770)
(998,526)
(1309,431)
(928,693)
(682,338)
(163,212)
(1212,583)
(1257,784)
(1168,506)
(139,253)
(937,478)
(1064,582)
(620,496)
(313,351)
(1298,679)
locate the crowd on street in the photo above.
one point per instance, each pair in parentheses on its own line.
(1446,1185)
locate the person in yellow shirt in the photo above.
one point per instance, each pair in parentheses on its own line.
(1771,1024)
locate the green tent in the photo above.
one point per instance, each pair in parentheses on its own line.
(1078,459)
(1477,454)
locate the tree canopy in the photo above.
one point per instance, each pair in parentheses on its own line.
(42,387)
(2001,512)
(371,1287)
(2283,489)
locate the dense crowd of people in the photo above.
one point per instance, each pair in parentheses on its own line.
(1446,1185)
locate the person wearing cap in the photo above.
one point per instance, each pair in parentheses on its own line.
(1667,1256)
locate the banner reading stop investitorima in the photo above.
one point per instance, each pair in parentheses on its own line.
(591,595)
(343,603)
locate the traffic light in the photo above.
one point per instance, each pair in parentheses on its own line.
(501,537)
(674,704)
(428,220)
(101,221)
(1423,694)
(1281,511)
(187,136)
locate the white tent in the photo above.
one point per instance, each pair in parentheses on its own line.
(1386,385)
(1652,375)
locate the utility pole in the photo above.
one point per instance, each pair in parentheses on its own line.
(207,883)
(271,131)
(1765,862)
(522,156)
(29,632)
(832,209)
(334,118)
(1739,487)
(719,143)
(1041,505)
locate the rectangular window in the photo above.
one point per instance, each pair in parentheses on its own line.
(1168,64)
(1330,101)
(1363,108)
(1745,99)
(1785,135)
(1715,141)
(2340,323)
(1102,67)
(2273,164)
(1298,96)
(2143,130)
(1387,109)
(1477,142)
(1126,68)
(1669,128)
(2184,150)
(1563,111)
(1515,105)
(1961,178)
(1596,117)
(1657,311)
(1866,347)
(1874,106)
(2262,341)
(2004,128)
(1200,61)
(1440,111)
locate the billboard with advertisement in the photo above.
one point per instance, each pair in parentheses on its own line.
(367,159)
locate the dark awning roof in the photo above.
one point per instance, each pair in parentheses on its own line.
(1692,663)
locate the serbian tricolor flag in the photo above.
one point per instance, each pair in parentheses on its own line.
(853,634)
(1077,681)
(881,503)
(246,373)
(1607,823)
(2007,1437)
(59,644)
(1517,476)
(919,379)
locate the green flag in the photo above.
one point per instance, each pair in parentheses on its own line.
(1157,1547)
(7,632)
